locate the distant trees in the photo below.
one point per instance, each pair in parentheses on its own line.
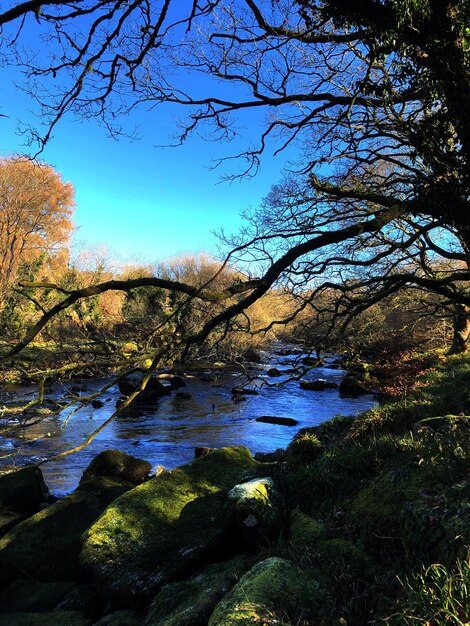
(36,209)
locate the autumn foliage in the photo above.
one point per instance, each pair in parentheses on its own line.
(36,209)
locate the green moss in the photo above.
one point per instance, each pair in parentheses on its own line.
(274,591)
(165,527)
(190,603)
(46,546)
(304,531)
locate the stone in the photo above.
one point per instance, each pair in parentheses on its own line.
(8,520)
(201,451)
(166,528)
(97,404)
(258,510)
(191,602)
(117,464)
(273,372)
(273,419)
(318,385)
(46,546)
(23,490)
(176,382)
(152,392)
(82,598)
(263,595)
(183,395)
(243,391)
(305,532)
(351,386)
(311,361)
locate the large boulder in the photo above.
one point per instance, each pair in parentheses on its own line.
(191,602)
(267,592)
(258,510)
(46,546)
(23,490)
(117,464)
(154,389)
(166,528)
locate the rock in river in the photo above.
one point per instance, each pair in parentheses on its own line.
(117,464)
(273,419)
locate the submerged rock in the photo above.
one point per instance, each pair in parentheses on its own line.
(46,546)
(166,528)
(117,464)
(192,601)
(266,592)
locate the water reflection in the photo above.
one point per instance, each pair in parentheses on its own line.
(168,433)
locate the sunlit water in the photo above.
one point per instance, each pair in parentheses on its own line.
(166,434)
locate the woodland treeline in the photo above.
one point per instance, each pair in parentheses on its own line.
(139,309)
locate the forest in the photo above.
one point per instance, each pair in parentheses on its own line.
(348,284)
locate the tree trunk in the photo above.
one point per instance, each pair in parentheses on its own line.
(461,329)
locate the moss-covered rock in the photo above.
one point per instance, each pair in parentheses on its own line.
(351,386)
(191,602)
(117,464)
(258,510)
(54,618)
(274,591)
(305,532)
(46,546)
(30,596)
(167,527)
(23,490)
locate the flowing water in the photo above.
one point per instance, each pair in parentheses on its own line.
(167,433)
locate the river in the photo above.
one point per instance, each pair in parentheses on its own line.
(167,433)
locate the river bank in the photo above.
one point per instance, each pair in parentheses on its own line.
(204,412)
(348,528)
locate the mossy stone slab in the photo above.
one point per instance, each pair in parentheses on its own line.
(274,591)
(166,528)
(46,546)
(191,602)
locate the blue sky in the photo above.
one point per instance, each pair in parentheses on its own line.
(143,202)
